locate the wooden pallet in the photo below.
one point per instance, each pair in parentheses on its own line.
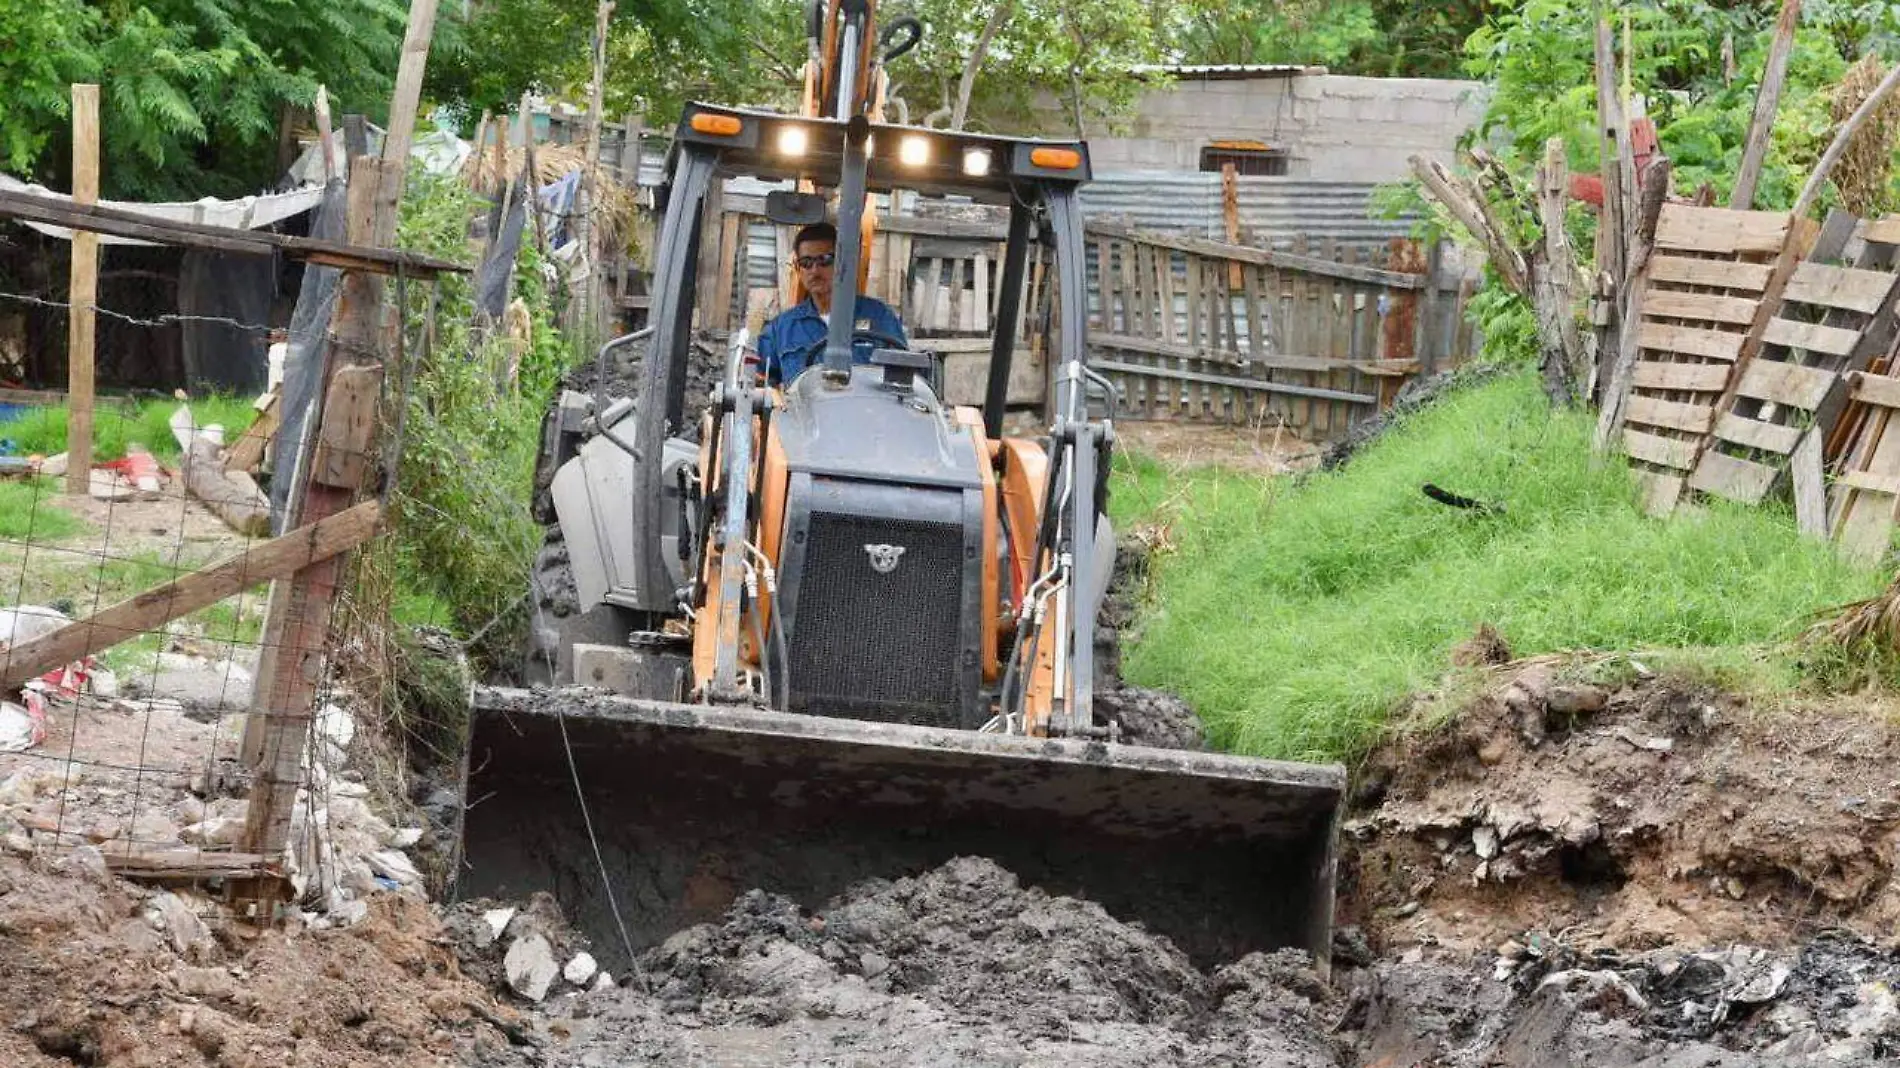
(1831,321)
(1865,496)
(1711,272)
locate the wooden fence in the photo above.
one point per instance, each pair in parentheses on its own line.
(1317,338)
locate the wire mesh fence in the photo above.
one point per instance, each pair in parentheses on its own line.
(144,723)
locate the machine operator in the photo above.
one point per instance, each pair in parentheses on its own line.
(795,339)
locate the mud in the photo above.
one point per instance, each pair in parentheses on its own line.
(960,966)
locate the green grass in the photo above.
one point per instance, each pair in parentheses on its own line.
(1297,616)
(29,512)
(148,423)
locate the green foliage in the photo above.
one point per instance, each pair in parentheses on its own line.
(661,54)
(1368,37)
(191,91)
(1539,60)
(1296,616)
(464,538)
(42,431)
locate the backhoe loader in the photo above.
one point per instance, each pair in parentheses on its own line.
(846,629)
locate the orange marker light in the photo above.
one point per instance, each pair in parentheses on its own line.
(720,125)
(1061,159)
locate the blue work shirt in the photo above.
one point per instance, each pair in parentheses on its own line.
(795,339)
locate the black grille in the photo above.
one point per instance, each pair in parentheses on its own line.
(878,645)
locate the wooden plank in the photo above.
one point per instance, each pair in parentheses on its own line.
(1683,270)
(1688,340)
(1197,300)
(1875,389)
(1867,480)
(1233,382)
(954,320)
(1256,345)
(1261,256)
(1733,478)
(118,222)
(82,295)
(980,265)
(1105,285)
(1698,378)
(1309,364)
(1673,304)
(1686,228)
(1840,287)
(1785,383)
(1164,272)
(1755,434)
(1658,491)
(1882,231)
(1676,415)
(1810,486)
(1659,450)
(349,427)
(1811,337)
(1767,105)
(151,610)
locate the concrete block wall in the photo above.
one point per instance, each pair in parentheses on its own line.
(1336,127)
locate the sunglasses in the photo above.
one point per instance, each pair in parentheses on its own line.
(823,259)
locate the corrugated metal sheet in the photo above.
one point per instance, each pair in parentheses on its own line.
(1274,210)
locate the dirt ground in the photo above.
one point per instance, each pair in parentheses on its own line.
(1265,450)
(1567,873)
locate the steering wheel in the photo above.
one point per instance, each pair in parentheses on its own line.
(876,337)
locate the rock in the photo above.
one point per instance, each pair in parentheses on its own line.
(85,860)
(218,831)
(167,912)
(1512,950)
(497,921)
(1875,1012)
(530,967)
(1485,840)
(873,964)
(1578,700)
(603,981)
(580,969)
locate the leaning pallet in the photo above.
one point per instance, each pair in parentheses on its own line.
(1832,321)
(1710,274)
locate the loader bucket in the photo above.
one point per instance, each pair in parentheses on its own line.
(692,805)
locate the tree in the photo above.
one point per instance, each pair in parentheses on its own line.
(192,91)
(991,66)
(661,53)
(1374,37)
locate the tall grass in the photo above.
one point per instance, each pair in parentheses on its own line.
(1295,617)
(145,422)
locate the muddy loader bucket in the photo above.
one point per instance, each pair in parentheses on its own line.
(692,805)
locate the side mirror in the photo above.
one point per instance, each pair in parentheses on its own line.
(788,208)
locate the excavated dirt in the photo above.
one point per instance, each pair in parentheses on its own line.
(99,972)
(959,966)
(1565,874)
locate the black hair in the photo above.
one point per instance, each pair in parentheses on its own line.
(818,231)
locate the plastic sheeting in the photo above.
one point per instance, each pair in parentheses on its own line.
(225,357)
(244,213)
(305,352)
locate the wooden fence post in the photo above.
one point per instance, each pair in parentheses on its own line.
(83,294)
(296,632)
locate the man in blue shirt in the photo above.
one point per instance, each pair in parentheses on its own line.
(795,339)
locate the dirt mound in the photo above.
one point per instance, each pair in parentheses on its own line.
(1651,874)
(959,966)
(102,973)
(1657,814)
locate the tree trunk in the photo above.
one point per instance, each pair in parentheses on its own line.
(967,83)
